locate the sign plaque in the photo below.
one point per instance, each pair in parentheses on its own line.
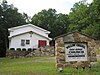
(75,52)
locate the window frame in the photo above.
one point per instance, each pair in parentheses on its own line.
(27,42)
(22,42)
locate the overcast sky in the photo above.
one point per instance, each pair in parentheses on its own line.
(32,7)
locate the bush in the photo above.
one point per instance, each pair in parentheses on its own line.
(18,49)
(23,49)
(13,49)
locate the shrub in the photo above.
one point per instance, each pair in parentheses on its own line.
(13,49)
(23,49)
(18,49)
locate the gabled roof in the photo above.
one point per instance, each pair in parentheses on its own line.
(32,26)
(74,32)
(13,28)
(28,32)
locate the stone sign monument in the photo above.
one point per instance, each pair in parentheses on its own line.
(75,49)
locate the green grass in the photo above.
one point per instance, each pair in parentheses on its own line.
(40,66)
(98,51)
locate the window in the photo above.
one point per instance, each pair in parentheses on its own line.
(22,42)
(27,42)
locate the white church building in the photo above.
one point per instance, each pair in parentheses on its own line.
(28,36)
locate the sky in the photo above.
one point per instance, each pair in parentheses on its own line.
(32,7)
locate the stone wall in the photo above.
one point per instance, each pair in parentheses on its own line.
(74,37)
(42,51)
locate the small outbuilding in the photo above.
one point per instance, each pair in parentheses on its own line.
(75,50)
(28,36)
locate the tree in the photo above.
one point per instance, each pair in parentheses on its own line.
(86,18)
(79,16)
(60,25)
(27,18)
(49,20)
(44,18)
(94,28)
(9,17)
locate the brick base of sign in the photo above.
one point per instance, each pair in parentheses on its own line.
(74,37)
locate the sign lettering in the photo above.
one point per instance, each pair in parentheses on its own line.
(76,52)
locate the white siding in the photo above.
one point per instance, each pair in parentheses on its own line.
(16,40)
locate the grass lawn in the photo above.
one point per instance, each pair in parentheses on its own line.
(98,51)
(40,66)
